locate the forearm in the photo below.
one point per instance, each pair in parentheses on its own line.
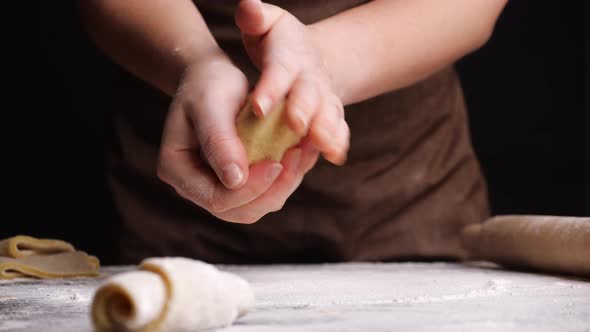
(153,39)
(385,45)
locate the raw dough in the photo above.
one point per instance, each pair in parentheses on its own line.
(64,265)
(171,294)
(23,246)
(25,256)
(267,138)
(547,243)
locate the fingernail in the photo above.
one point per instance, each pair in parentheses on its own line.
(232,175)
(340,155)
(324,135)
(274,172)
(264,103)
(300,119)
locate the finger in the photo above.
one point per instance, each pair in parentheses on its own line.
(214,123)
(276,79)
(309,155)
(302,103)
(275,197)
(323,131)
(256,18)
(341,135)
(193,180)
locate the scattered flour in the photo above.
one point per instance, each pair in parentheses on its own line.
(348,297)
(10,325)
(491,288)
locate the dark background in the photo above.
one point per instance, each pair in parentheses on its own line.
(525,91)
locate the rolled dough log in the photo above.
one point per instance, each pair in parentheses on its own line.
(64,265)
(267,138)
(23,246)
(547,243)
(170,294)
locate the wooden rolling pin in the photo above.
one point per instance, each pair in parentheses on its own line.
(545,243)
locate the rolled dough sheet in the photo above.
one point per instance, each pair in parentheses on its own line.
(64,265)
(547,243)
(23,246)
(267,138)
(170,294)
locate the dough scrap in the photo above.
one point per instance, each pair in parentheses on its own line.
(267,138)
(546,243)
(24,256)
(170,294)
(23,246)
(64,265)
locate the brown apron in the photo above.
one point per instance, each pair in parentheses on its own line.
(410,184)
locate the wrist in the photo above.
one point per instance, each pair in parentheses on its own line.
(328,62)
(197,60)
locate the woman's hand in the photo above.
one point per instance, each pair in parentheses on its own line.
(291,66)
(201,122)
(203,159)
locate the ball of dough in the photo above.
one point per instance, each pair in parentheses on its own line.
(267,138)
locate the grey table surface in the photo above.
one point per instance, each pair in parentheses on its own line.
(344,297)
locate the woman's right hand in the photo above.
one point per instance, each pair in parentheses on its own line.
(201,125)
(202,157)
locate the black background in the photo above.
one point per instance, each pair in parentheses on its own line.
(525,91)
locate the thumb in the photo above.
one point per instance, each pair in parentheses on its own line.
(255,18)
(222,148)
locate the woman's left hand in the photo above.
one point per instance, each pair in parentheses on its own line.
(291,67)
